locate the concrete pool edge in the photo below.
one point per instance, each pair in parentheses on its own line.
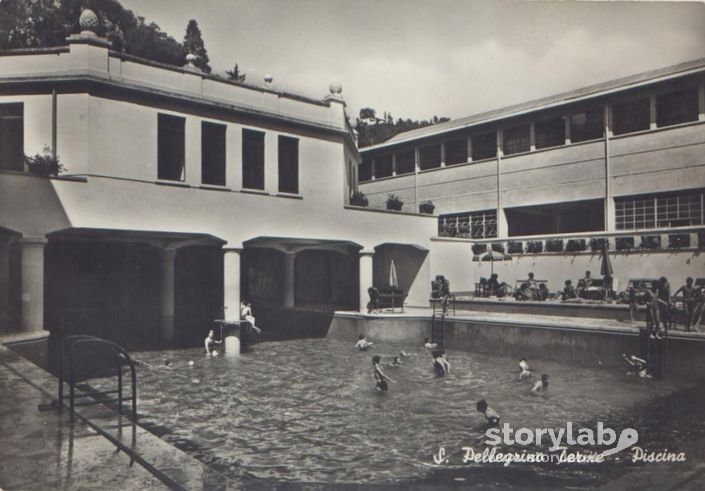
(584,341)
(172,466)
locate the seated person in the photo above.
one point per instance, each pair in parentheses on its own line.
(496,288)
(525,292)
(638,365)
(542,293)
(583,285)
(362,343)
(490,414)
(568,292)
(374,303)
(246,314)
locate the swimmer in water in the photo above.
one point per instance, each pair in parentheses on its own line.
(490,414)
(362,343)
(525,370)
(638,365)
(541,385)
(379,375)
(441,365)
(396,362)
(209,343)
(429,345)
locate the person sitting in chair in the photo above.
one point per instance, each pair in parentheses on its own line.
(374,303)
(568,292)
(495,287)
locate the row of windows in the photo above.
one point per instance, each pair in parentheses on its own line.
(660,210)
(475,225)
(675,107)
(171,151)
(171,155)
(664,210)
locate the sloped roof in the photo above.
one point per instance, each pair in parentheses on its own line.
(591,91)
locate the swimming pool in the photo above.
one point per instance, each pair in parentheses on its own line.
(306,411)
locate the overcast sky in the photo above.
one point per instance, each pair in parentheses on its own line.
(419,58)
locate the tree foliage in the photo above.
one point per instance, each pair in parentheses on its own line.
(383,130)
(193,43)
(46,23)
(235,74)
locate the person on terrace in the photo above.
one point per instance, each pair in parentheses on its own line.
(688,291)
(496,288)
(568,292)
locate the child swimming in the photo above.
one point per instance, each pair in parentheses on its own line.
(362,343)
(541,385)
(396,362)
(209,344)
(379,375)
(429,345)
(525,370)
(490,414)
(638,365)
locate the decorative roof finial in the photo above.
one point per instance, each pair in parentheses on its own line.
(268,79)
(88,22)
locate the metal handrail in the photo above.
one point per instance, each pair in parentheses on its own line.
(119,354)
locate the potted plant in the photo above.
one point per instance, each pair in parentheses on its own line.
(427,207)
(650,242)
(554,245)
(44,164)
(596,245)
(358,198)
(677,241)
(478,249)
(534,246)
(624,243)
(576,245)
(498,247)
(394,202)
(515,247)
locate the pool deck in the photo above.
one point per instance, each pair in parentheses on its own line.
(43,450)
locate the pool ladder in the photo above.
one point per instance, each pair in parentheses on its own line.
(121,359)
(437,327)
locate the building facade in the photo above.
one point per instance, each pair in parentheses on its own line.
(181,194)
(623,162)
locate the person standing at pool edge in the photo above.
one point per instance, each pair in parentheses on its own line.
(379,375)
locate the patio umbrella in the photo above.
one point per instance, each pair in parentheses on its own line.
(493,256)
(393,280)
(606,267)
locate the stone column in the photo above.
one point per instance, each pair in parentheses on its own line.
(32,271)
(366,277)
(231,283)
(167,295)
(289,283)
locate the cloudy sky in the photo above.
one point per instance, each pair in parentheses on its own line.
(419,58)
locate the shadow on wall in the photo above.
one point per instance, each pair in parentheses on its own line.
(278,323)
(408,261)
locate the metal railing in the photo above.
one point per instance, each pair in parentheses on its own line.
(121,359)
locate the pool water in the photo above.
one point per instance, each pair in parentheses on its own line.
(307,411)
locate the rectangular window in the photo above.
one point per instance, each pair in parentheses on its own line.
(631,116)
(677,107)
(587,125)
(288,165)
(430,157)
(456,151)
(171,148)
(484,146)
(213,153)
(517,139)
(549,132)
(682,209)
(252,159)
(12,136)
(405,162)
(364,170)
(383,166)
(476,224)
